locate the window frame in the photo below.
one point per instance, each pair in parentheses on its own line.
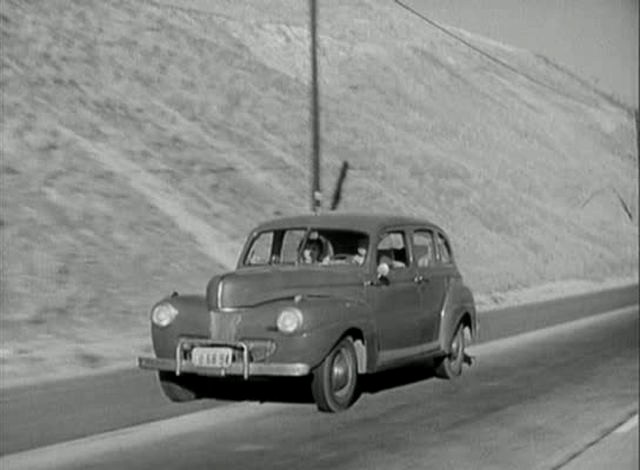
(447,245)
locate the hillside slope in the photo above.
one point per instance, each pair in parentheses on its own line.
(140,142)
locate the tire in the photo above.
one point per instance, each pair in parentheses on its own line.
(334,383)
(450,366)
(174,388)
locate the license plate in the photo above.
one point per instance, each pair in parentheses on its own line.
(211,357)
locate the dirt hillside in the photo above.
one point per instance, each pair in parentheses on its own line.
(141,141)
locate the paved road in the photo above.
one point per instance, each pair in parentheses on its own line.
(616,450)
(38,416)
(533,401)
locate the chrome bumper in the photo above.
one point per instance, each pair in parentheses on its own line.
(246,369)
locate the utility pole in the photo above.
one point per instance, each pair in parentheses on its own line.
(316,195)
(637,113)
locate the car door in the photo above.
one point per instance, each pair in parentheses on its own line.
(395,299)
(431,280)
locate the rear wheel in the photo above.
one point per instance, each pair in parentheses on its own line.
(450,366)
(335,381)
(176,388)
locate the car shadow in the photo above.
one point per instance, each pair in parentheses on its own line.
(395,378)
(298,390)
(282,390)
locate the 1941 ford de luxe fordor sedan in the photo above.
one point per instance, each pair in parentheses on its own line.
(329,296)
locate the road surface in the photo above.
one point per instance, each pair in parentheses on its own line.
(539,400)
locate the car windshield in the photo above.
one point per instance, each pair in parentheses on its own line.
(317,246)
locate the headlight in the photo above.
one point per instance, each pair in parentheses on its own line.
(289,320)
(163,314)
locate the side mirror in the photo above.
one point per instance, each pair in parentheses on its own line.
(382,271)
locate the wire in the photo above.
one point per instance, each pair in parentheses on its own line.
(486,54)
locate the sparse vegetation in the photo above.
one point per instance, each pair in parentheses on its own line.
(141,141)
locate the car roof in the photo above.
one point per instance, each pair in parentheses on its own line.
(371,223)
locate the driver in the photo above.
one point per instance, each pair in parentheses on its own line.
(312,251)
(361,254)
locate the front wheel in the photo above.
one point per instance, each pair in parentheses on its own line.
(335,381)
(450,366)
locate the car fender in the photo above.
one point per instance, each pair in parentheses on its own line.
(192,320)
(327,319)
(319,343)
(458,303)
(332,318)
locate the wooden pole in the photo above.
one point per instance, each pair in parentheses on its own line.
(315,114)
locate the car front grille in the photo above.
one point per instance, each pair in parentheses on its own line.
(224,326)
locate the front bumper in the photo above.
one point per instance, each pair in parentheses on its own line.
(242,367)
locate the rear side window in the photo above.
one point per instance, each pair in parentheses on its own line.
(423,248)
(444,250)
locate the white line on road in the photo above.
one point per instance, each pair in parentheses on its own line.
(518,340)
(627,425)
(616,446)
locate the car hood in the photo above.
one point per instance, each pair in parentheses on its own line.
(249,287)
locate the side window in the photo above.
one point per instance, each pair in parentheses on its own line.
(423,248)
(444,250)
(392,250)
(260,251)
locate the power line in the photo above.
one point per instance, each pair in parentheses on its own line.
(486,54)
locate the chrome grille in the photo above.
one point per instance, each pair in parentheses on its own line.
(224,326)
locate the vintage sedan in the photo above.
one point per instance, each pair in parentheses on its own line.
(331,296)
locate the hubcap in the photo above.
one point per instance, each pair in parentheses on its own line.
(457,352)
(340,372)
